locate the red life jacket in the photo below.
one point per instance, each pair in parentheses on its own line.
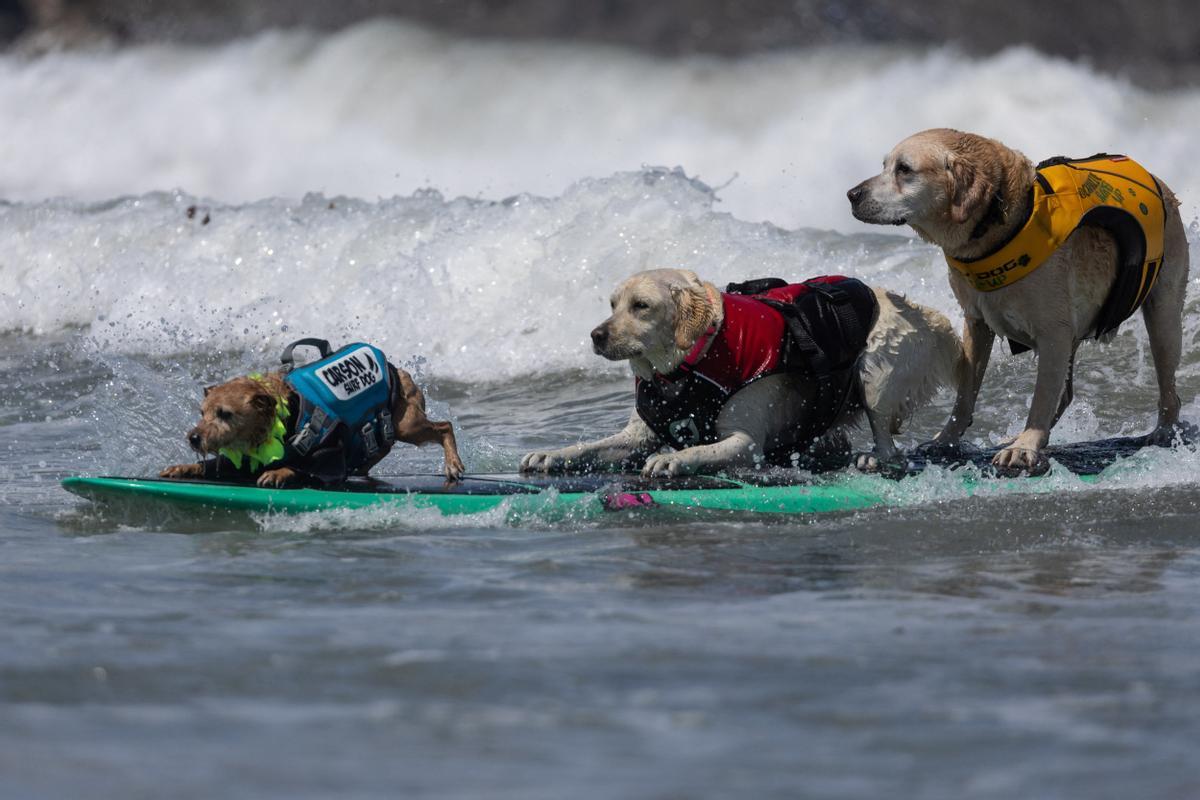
(760,336)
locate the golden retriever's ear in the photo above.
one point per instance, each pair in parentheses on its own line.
(969,192)
(692,314)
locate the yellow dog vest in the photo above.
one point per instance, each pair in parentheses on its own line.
(1112,192)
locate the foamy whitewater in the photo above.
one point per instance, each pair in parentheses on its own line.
(383,109)
(514,181)
(175,215)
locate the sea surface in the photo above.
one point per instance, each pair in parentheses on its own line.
(174,215)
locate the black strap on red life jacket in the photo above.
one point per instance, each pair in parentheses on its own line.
(828,323)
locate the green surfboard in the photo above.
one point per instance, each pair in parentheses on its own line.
(479,493)
(777,492)
(547,496)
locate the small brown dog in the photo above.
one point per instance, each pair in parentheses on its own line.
(258,426)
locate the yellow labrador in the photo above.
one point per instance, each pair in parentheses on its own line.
(659,316)
(970,195)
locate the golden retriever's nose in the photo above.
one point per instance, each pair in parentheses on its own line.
(855,195)
(599,336)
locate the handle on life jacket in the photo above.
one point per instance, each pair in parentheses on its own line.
(756,286)
(828,323)
(322,346)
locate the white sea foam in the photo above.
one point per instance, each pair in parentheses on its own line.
(483,290)
(400,517)
(551,137)
(385,108)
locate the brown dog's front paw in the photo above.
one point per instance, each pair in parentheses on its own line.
(183,471)
(277,478)
(455,469)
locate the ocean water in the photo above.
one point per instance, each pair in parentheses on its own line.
(174,215)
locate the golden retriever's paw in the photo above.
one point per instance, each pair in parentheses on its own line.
(183,471)
(667,465)
(543,461)
(277,478)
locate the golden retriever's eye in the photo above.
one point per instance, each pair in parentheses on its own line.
(903,168)
(224,414)
(639,305)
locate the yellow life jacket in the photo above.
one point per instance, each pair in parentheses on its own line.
(1111,191)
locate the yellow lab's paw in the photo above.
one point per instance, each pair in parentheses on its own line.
(1024,454)
(1015,459)
(891,464)
(1170,435)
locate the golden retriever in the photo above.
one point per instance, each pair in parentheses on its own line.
(659,315)
(969,195)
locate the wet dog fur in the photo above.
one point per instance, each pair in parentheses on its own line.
(942,183)
(657,317)
(239,414)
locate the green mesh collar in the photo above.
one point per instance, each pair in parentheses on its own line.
(271,450)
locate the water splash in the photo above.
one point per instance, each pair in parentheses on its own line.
(384,107)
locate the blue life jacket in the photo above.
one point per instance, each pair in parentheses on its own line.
(352,389)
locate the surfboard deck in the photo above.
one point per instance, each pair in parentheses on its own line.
(1081,458)
(774,492)
(479,493)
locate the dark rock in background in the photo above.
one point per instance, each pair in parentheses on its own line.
(1152,41)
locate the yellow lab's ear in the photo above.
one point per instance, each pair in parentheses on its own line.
(969,191)
(693,314)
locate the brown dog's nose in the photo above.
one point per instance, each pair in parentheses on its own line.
(856,194)
(599,336)
(194,440)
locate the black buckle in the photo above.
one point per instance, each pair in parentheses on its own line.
(387,427)
(312,432)
(370,445)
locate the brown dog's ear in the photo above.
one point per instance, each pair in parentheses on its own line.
(970,190)
(692,314)
(263,401)
(208,389)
